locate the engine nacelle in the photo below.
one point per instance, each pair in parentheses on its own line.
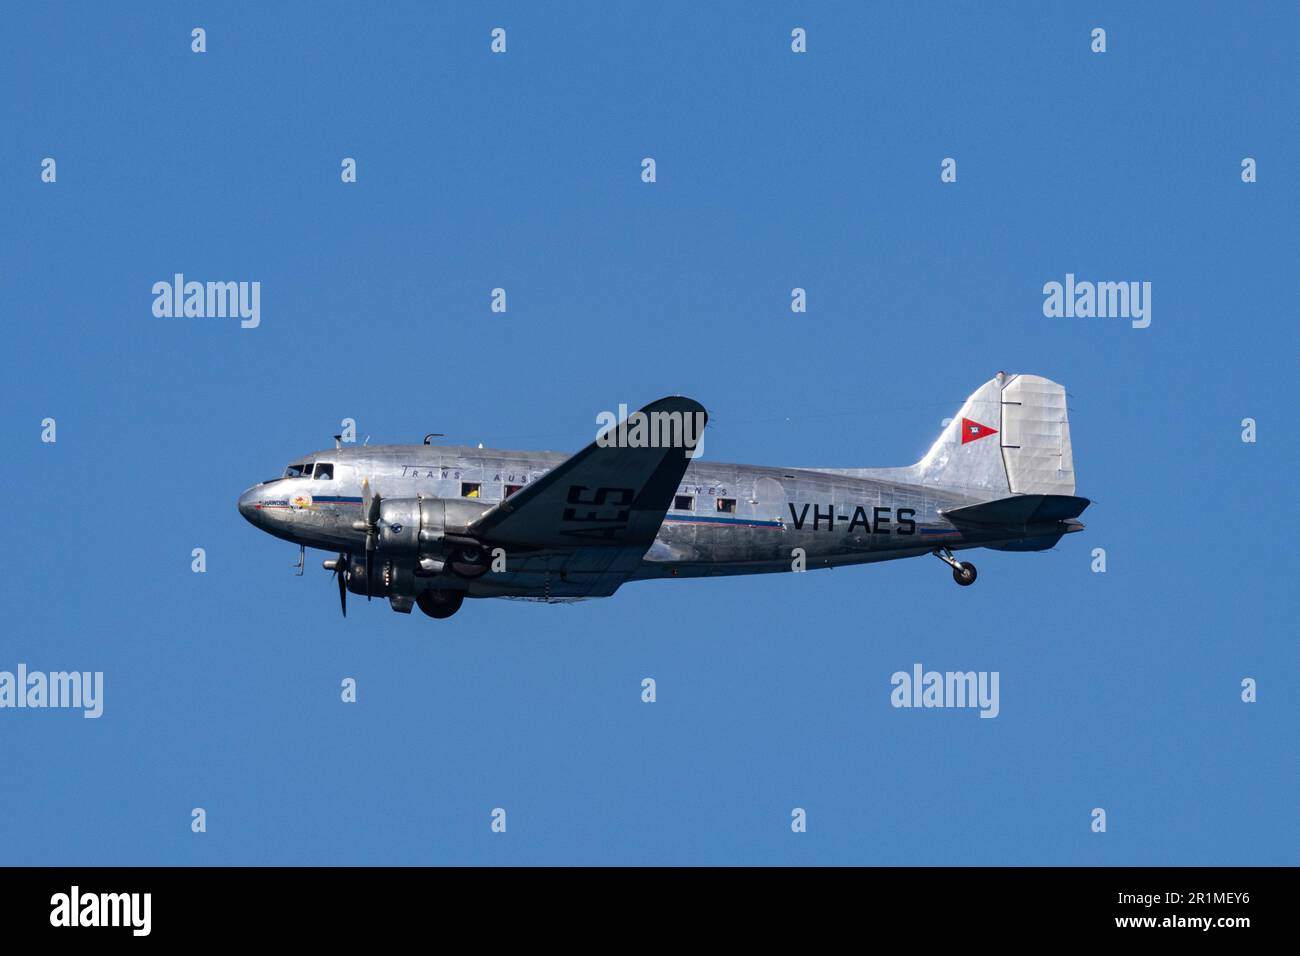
(388,578)
(411,526)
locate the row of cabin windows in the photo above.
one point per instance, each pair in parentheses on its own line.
(324,471)
(687,503)
(474,489)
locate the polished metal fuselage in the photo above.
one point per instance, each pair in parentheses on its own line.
(741,519)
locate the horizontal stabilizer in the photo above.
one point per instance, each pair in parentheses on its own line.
(1018,511)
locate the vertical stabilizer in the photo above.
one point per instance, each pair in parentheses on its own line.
(1011,437)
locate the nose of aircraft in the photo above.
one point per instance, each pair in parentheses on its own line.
(246,506)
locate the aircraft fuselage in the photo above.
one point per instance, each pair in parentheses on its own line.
(431,524)
(727,519)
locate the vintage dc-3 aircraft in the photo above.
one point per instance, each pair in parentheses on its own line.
(430,525)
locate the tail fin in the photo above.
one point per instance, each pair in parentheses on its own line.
(1011,437)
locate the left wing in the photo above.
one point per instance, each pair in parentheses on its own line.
(614,492)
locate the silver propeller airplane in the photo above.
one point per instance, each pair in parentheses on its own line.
(430,525)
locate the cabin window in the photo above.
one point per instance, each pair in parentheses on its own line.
(298,471)
(684,502)
(727,505)
(511,489)
(324,471)
(469,489)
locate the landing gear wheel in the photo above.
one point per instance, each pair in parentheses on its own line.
(440,603)
(964,574)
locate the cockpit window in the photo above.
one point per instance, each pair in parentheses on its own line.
(298,471)
(324,471)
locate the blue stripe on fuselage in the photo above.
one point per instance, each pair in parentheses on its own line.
(704,519)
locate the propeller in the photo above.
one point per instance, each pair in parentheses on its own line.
(339,567)
(343,585)
(370,506)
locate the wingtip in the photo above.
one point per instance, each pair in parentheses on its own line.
(677,403)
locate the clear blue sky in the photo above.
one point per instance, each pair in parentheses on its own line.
(1118,690)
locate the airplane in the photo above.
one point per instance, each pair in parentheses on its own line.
(430,525)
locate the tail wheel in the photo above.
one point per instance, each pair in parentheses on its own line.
(440,603)
(964,574)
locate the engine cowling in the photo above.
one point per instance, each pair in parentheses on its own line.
(388,578)
(414,526)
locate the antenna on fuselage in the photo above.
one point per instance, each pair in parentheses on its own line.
(338,441)
(433,435)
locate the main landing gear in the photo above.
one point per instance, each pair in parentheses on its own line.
(440,603)
(963,572)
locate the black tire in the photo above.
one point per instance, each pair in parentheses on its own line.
(440,603)
(964,574)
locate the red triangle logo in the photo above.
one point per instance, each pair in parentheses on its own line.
(974,431)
